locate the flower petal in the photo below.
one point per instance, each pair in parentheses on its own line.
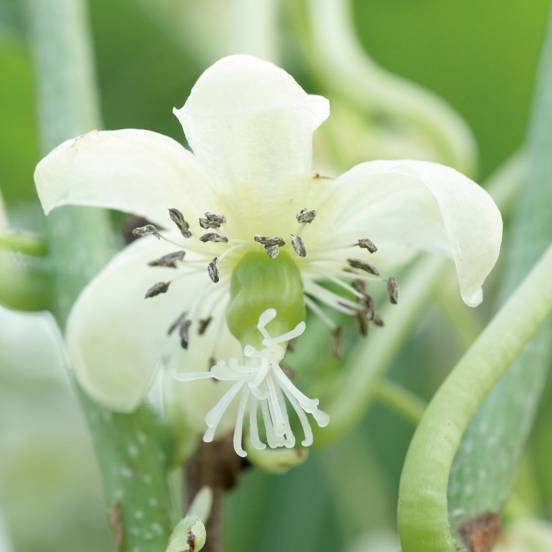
(417,205)
(251,123)
(135,171)
(115,336)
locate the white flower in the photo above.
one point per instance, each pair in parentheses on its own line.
(247,194)
(260,382)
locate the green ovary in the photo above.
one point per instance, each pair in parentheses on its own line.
(260,283)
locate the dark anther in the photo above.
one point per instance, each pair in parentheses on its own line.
(359,285)
(176,323)
(298,245)
(362,322)
(304,216)
(157,289)
(290,346)
(183,332)
(212,270)
(148,229)
(361,265)
(266,240)
(213,237)
(203,324)
(368,306)
(212,363)
(393,290)
(169,260)
(178,218)
(336,342)
(212,220)
(318,176)
(271,244)
(376,320)
(366,243)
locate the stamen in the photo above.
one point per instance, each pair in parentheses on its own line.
(362,323)
(366,243)
(305,216)
(176,323)
(212,220)
(271,244)
(393,290)
(178,218)
(320,313)
(212,270)
(203,324)
(331,299)
(337,344)
(340,283)
(169,260)
(157,289)
(377,320)
(148,229)
(298,245)
(183,332)
(213,237)
(361,265)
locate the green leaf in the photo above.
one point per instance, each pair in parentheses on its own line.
(423,508)
(487,461)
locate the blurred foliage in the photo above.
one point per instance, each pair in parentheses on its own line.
(479,56)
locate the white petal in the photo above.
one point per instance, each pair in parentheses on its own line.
(135,171)
(408,206)
(116,337)
(252,124)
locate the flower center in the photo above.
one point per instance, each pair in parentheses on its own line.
(260,282)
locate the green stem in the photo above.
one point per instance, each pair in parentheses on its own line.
(423,513)
(19,243)
(336,56)
(401,400)
(128,446)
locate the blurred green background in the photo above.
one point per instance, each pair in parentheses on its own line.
(479,56)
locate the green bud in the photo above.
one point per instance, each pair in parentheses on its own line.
(188,536)
(260,282)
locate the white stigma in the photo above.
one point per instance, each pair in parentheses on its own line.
(259,381)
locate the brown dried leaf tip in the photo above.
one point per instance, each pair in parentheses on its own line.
(115,519)
(480,534)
